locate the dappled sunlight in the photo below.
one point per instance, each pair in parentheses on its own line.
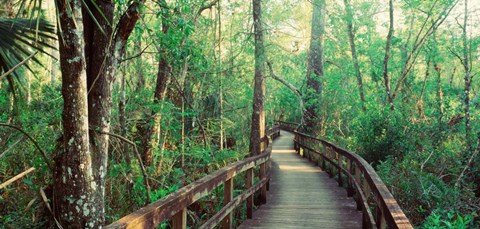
(283,151)
(302,168)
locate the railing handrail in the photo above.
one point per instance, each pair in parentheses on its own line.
(177,202)
(390,210)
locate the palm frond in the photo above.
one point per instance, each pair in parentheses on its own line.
(19,38)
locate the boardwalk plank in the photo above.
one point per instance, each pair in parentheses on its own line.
(302,195)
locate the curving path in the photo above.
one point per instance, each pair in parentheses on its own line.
(302,195)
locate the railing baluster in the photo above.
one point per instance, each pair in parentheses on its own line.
(350,182)
(227,197)
(249,183)
(340,166)
(263,190)
(179,220)
(380,220)
(357,178)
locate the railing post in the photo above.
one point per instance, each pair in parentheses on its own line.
(340,166)
(357,178)
(330,166)
(380,220)
(365,223)
(323,155)
(263,190)
(179,220)
(227,197)
(249,183)
(350,182)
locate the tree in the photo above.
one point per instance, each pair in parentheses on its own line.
(387,57)
(89,51)
(351,40)
(315,69)
(258,114)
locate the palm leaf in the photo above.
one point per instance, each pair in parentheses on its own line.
(19,38)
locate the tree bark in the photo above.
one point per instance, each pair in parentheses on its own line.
(351,40)
(89,60)
(74,183)
(315,70)
(387,57)
(258,114)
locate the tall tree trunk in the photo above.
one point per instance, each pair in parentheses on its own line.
(101,68)
(315,70)
(351,40)
(163,79)
(74,182)
(88,56)
(387,57)
(258,113)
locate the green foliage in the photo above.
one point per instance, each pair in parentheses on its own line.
(444,220)
(380,134)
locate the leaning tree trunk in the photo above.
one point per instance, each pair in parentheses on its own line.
(351,40)
(258,114)
(315,70)
(74,182)
(163,79)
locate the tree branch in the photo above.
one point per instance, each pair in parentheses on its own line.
(13,179)
(208,6)
(284,82)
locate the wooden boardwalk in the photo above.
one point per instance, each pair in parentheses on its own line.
(302,195)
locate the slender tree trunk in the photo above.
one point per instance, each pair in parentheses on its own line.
(467,78)
(220,74)
(258,114)
(387,57)
(122,116)
(439,92)
(351,40)
(163,79)
(74,183)
(315,70)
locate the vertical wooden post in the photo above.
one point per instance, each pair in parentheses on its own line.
(249,183)
(263,190)
(350,182)
(365,223)
(330,164)
(340,166)
(357,178)
(179,220)
(380,220)
(366,189)
(323,153)
(227,197)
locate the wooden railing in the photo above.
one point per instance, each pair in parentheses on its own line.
(361,179)
(174,206)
